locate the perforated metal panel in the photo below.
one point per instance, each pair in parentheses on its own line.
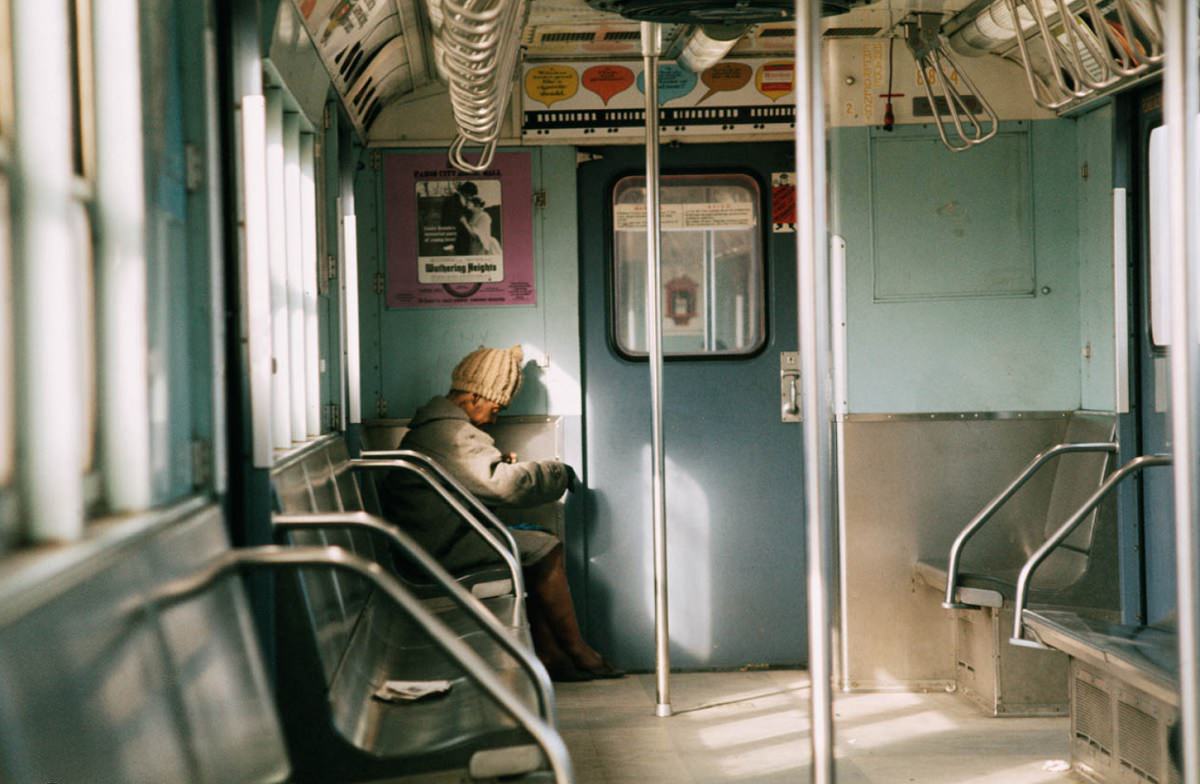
(1139,743)
(1092,715)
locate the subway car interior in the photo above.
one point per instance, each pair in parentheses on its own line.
(600,391)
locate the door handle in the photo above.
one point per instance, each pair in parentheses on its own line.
(789,387)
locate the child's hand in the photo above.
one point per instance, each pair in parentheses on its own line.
(511,457)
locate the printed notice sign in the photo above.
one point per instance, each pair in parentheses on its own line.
(687,217)
(458,239)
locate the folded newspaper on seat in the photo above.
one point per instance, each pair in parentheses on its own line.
(410,691)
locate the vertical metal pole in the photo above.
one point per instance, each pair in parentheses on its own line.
(1181,99)
(813,294)
(651,49)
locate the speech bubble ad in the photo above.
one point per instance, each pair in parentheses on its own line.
(674,81)
(774,79)
(550,84)
(725,78)
(607,81)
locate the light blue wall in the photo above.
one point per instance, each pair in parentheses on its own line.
(960,339)
(1095,151)
(408,353)
(970,337)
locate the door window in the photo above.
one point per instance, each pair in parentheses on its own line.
(711,300)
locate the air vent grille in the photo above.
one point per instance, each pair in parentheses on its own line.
(1093,717)
(778,32)
(556,38)
(852,32)
(623,35)
(1140,743)
(714,11)
(921,106)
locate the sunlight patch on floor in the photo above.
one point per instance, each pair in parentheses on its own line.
(753,727)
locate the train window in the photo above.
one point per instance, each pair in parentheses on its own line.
(83,158)
(81,229)
(1160,239)
(712,265)
(7,421)
(7,402)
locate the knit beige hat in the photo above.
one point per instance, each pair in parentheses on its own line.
(492,373)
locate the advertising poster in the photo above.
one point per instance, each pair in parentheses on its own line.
(455,239)
(607,100)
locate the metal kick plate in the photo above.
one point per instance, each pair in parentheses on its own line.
(789,387)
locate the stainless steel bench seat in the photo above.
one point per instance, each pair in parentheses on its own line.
(1147,657)
(99,684)
(990,585)
(337,729)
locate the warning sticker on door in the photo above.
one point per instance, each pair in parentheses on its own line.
(783,202)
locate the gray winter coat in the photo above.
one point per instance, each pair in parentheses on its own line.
(443,431)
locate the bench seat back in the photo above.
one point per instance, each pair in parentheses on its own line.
(96,685)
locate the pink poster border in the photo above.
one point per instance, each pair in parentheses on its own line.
(401,172)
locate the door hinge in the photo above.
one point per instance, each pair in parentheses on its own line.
(376,160)
(1085,171)
(193,161)
(327,117)
(333,416)
(331,271)
(380,284)
(381,406)
(539,200)
(201,463)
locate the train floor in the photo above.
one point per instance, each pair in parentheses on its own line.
(753,727)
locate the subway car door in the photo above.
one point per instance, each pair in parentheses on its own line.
(733,467)
(1153,388)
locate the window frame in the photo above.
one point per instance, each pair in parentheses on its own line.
(8,387)
(760,193)
(83,197)
(1158,307)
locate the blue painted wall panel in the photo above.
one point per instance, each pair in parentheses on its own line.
(974,209)
(414,350)
(976,354)
(1095,151)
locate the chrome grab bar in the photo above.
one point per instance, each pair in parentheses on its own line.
(932,56)
(993,506)
(279,557)
(460,595)
(510,557)
(479,506)
(1121,474)
(1072,38)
